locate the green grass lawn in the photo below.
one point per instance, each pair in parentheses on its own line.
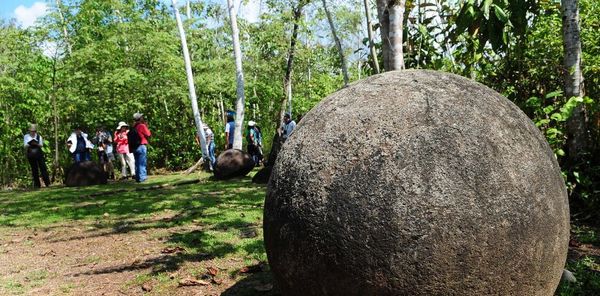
(226,215)
(227,227)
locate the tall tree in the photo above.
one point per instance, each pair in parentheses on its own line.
(289,69)
(576,125)
(190,80)
(372,48)
(239,108)
(391,20)
(338,43)
(64,26)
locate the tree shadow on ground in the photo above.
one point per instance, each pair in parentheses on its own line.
(257,284)
(209,220)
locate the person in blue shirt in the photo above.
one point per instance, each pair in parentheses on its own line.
(288,126)
(33,143)
(229,129)
(254,139)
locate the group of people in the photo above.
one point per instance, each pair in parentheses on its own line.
(129,144)
(130,148)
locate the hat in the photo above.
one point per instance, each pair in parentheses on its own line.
(121,124)
(287,114)
(33,128)
(137,116)
(251,123)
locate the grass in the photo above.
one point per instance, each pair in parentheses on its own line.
(584,264)
(210,219)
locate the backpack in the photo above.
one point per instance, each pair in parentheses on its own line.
(133,139)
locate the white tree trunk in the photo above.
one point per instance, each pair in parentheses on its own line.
(370,35)
(391,19)
(190,80)
(338,43)
(239,106)
(576,125)
(64,26)
(188,10)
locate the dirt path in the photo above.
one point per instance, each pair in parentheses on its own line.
(86,258)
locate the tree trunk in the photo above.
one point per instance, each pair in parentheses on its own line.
(338,43)
(239,108)
(287,79)
(188,10)
(391,19)
(56,170)
(576,124)
(287,84)
(370,35)
(64,26)
(190,80)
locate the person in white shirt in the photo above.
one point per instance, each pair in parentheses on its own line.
(288,126)
(79,146)
(33,143)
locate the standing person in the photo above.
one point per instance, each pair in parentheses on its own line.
(79,146)
(125,157)
(210,142)
(141,152)
(103,140)
(254,142)
(229,129)
(33,143)
(288,127)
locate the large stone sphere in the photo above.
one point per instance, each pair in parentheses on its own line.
(416,183)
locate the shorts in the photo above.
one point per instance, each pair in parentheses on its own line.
(110,156)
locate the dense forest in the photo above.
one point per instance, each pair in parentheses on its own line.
(94,63)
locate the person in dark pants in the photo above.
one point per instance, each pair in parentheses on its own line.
(33,144)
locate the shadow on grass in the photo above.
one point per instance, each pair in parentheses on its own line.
(211,219)
(254,285)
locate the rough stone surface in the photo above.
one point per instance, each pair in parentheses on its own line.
(262,176)
(233,163)
(85,174)
(416,183)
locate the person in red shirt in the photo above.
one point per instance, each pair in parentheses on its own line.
(141,152)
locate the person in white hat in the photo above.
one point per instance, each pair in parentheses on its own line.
(33,143)
(125,156)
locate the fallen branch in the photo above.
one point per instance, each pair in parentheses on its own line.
(194,167)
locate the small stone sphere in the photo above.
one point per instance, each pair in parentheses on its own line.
(416,183)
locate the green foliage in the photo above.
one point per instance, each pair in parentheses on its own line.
(126,58)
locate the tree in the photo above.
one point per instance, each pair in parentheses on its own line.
(239,108)
(372,48)
(576,125)
(338,43)
(190,80)
(391,20)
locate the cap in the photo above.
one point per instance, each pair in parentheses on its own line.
(251,123)
(137,116)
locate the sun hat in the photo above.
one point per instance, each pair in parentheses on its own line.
(137,115)
(121,124)
(251,123)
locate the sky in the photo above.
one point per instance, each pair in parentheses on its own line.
(27,11)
